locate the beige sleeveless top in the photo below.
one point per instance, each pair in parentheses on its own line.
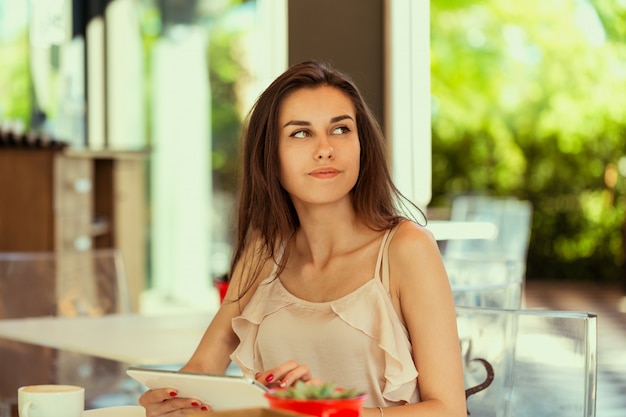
(357,341)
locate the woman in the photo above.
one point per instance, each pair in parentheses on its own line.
(330,281)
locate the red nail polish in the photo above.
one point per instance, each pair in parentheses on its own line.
(269,378)
(204,408)
(173,393)
(195,403)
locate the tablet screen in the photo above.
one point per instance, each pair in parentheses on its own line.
(221,392)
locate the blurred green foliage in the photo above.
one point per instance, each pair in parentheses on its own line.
(528,101)
(226,73)
(15,97)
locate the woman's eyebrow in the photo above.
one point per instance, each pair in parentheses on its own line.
(340,118)
(297,123)
(305,123)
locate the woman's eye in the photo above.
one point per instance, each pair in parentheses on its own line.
(340,130)
(300,134)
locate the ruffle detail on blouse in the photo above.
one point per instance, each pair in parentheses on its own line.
(377,321)
(381,323)
(246,325)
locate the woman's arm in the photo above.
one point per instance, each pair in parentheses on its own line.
(421,294)
(212,354)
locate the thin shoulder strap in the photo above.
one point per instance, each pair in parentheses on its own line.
(382,263)
(380,254)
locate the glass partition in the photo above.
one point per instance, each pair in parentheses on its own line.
(534,362)
(206,62)
(175,78)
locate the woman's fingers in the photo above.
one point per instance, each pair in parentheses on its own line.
(157,395)
(285,375)
(165,402)
(265,378)
(177,407)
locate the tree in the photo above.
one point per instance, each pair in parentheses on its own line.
(524,104)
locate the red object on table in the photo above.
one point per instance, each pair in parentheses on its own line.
(343,407)
(222,287)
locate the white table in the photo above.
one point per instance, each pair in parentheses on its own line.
(449,230)
(129,338)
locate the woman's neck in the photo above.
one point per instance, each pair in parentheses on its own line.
(325,235)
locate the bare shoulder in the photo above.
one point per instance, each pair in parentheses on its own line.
(412,239)
(414,258)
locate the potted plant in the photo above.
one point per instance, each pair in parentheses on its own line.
(324,400)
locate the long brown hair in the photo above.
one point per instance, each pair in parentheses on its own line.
(265,209)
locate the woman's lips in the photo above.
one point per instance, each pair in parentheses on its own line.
(324,173)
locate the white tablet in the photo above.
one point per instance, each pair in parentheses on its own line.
(222,392)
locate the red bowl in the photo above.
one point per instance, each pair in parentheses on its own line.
(341,407)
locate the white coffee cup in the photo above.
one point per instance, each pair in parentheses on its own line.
(51,401)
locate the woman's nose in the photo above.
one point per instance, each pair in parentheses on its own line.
(325,150)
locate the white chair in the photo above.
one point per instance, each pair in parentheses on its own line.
(511,216)
(88,283)
(489,272)
(528,363)
(479,282)
(508,295)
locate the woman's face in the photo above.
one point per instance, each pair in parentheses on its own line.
(318,145)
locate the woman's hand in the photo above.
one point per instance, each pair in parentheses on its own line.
(286,375)
(165,402)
